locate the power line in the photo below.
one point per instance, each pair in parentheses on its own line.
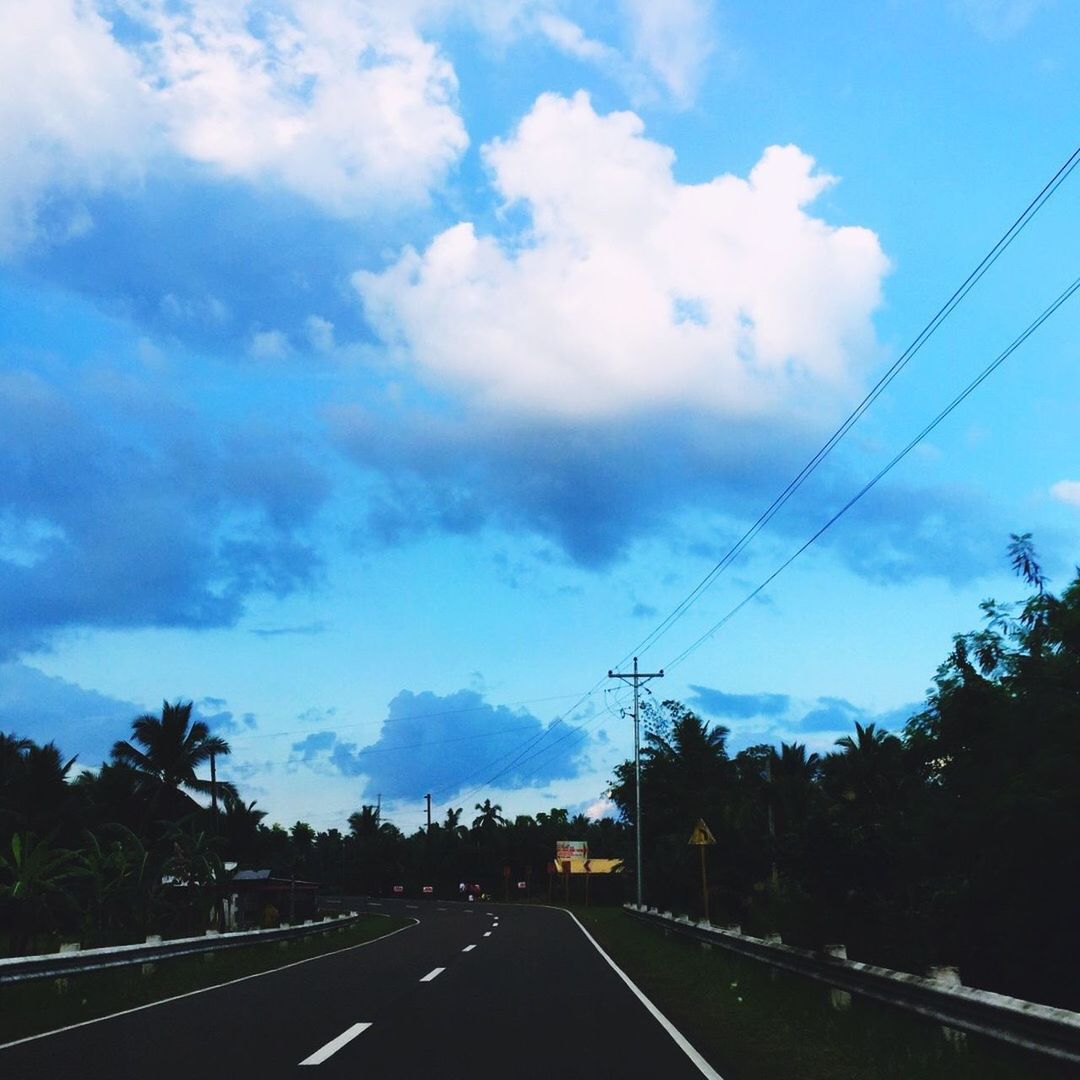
(956,401)
(882,384)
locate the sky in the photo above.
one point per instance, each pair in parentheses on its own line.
(378,374)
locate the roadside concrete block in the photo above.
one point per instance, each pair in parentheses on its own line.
(839,999)
(773,938)
(837,952)
(945,976)
(153,939)
(70,947)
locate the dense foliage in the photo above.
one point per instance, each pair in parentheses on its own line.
(955,841)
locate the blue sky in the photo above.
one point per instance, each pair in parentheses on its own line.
(377,375)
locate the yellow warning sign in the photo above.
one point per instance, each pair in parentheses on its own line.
(701,835)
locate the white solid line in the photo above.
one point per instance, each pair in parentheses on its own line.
(205,989)
(434,973)
(491,913)
(334,1045)
(487,933)
(681,1041)
(468,948)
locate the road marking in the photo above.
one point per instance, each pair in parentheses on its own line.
(468,948)
(411,907)
(490,913)
(680,1039)
(374,903)
(434,973)
(440,909)
(206,989)
(487,933)
(334,1045)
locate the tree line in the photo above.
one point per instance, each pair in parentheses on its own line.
(955,841)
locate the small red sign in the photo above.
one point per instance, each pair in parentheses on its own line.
(429,889)
(522,885)
(399,888)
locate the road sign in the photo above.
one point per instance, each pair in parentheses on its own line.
(399,888)
(701,835)
(522,885)
(571,849)
(429,889)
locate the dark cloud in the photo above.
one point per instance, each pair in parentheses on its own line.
(593,488)
(133,511)
(47,709)
(447,744)
(737,706)
(839,714)
(207,264)
(221,720)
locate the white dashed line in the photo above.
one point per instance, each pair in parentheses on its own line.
(334,1045)
(434,973)
(487,933)
(468,948)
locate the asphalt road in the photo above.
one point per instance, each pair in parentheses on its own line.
(472,991)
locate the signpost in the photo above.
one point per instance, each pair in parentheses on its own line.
(701,838)
(566,880)
(571,849)
(588,873)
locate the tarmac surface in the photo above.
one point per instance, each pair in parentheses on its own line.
(472,991)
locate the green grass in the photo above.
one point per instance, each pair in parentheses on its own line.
(753,1022)
(46,1004)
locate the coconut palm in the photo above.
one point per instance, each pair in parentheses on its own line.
(490,815)
(173,747)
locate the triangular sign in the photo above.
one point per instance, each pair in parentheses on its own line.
(701,834)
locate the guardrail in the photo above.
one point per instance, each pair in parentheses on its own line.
(73,960)
(939,995)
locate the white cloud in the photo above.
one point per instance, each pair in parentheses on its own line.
(74,117)
(1067,491)
(269,345)
(674,40)
(999,19)
(322,96)
(342,103)
(631,289)
(320,333)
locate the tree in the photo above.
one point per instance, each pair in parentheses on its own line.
(489,818)
(173,747)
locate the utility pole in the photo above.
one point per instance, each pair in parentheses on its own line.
(637,679)
(428,800)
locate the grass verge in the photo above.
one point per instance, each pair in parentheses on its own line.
(753,1022)
(46,1004)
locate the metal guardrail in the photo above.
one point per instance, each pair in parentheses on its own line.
(1041,1028)
(69,962)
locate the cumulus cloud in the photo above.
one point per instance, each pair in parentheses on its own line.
(74,117)
(342,103)
(444,744)
(631,290)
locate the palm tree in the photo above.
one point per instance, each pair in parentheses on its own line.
(490,815)
(173,748)
(364,822)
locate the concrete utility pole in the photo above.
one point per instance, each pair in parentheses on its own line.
(637,679)
(428,800)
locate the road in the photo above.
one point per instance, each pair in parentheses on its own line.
(472,991)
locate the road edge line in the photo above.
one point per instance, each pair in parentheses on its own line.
(679,1038)
(206,989)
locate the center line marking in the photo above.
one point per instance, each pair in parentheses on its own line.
(334,1045)
(487,933)
(468,948)
(434,973)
